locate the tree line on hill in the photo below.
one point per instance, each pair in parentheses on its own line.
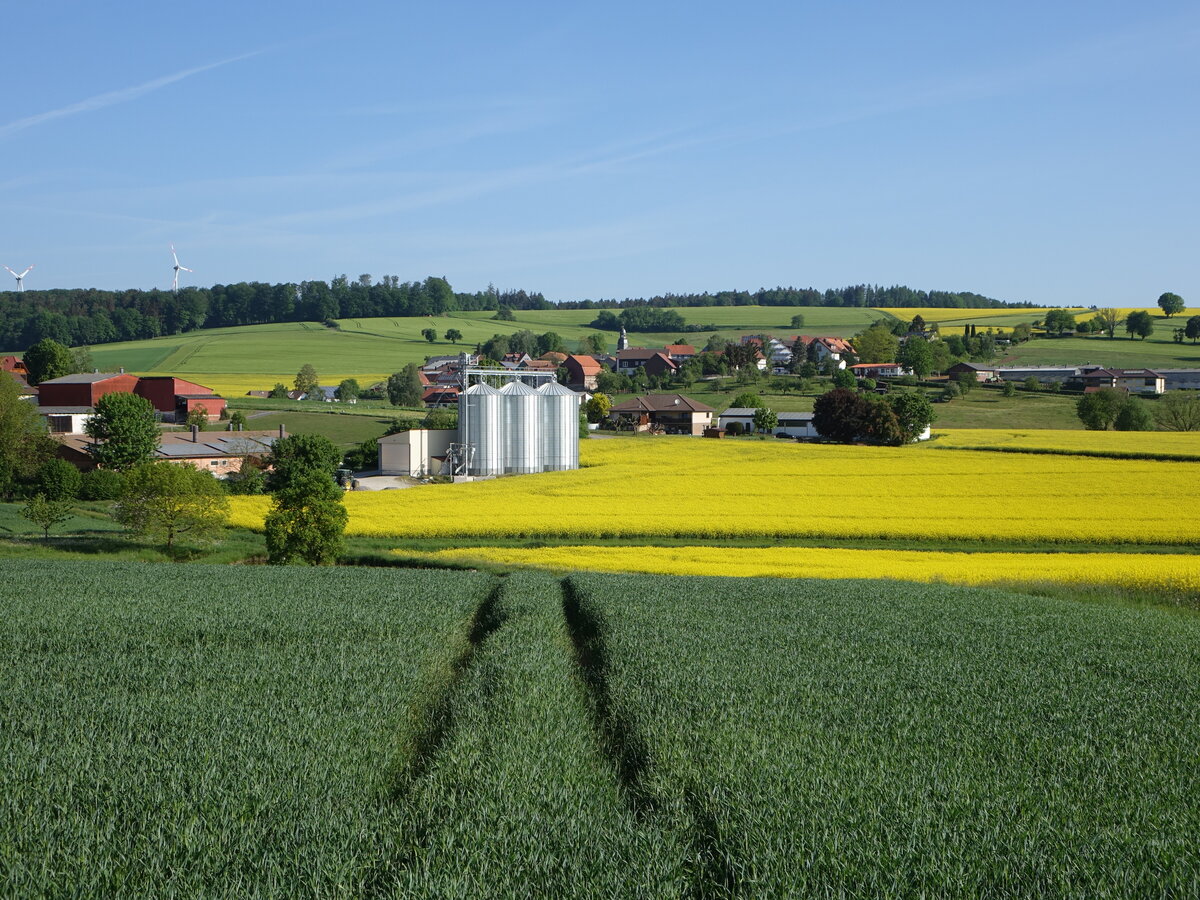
(86,316)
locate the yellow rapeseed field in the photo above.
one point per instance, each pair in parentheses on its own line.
(951,314)
(1178,443)
(1160,573)
(683,487)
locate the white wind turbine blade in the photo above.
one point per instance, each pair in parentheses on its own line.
(185,269)
(174,257)
(26,272)
(11,272)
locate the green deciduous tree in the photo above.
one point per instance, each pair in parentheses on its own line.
(916,354)
(57,479)
(453,335)
(1134,415)
(1109,319)
(597,409)
(404,387)
(798,321)
(307,521)
(747,400)
(1171,304)
(765,419)
(46,513)
(279,392)
(48,359)
(914,413)
(300,454)
(125,431)
(1192,329)
(24,443)
(1098,410)
(198,417)
(348,390)
(1058,321)
(1178,411)
(1139,323)
(306,379)
(594,344)
(876,344)
(237,420)
(170,500)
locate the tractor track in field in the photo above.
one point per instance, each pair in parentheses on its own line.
(710,870)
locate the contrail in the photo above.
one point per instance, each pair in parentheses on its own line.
(113,97)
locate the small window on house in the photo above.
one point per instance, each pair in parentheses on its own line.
(215,462)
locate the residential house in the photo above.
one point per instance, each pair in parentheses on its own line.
(674,413)
(655,362)
(1136,381)
(879,370)
(440,396)
(828,348)
(679,352)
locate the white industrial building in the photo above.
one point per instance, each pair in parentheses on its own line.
(512,428)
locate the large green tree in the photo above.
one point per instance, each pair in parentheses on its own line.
(916,354)
(125,431)
(1098,410)
(404,387)
(876,344)
(24,443)
(1192,329)
(307,521)
(300,455)
(306,379)
(170,500)
(913,411)
(48,359)
(1178,411)
(1171,304)
(1139,323)
(1109,319)
(1059,321)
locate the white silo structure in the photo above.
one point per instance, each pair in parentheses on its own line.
(521,414)
(560,427)
(482,430)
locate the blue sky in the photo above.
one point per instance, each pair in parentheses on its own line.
(1041,152)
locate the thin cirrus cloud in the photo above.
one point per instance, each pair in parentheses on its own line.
(112,98)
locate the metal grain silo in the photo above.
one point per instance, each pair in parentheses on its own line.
(520,412)
(560,427)
(483,429)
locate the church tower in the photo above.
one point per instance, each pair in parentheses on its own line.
(622,341)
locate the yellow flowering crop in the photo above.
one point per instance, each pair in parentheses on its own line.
(1177,443)
(1162,573)
(941,314)
(684,487)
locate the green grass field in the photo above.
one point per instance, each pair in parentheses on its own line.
(1120,352)
(255,357)
(345,430)
(874,740)
(244,731)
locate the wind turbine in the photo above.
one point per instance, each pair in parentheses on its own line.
(178,269)
(20,278)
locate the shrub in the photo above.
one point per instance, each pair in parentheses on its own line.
(101,484)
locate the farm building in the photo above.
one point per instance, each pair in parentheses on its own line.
(961,370)
(219,452)
(582,372)
(419,452)
(790,424)
(66,402)
(673,413)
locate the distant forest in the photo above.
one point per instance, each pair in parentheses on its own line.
(85,316)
